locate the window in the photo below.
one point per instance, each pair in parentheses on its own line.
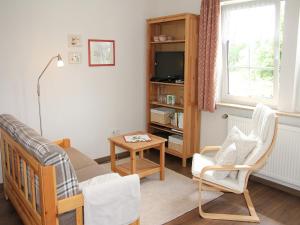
(251,43)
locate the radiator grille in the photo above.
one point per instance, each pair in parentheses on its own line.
(283,166)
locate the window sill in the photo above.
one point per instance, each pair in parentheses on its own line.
(247,107)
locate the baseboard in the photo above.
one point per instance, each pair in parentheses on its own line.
(276,185)
(106,159)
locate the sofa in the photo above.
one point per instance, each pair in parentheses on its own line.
(42,178)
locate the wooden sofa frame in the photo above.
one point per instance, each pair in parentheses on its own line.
(25,204)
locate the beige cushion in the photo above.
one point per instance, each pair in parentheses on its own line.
(227,157)
(78,159)
(90,172)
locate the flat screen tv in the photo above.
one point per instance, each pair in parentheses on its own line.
(169,66)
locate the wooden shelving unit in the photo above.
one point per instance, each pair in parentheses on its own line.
(184,29)
(167,42)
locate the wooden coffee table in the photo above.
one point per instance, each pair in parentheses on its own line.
(141,166)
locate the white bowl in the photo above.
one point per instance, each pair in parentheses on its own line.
(163,37)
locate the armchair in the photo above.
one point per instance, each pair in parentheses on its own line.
(264,129)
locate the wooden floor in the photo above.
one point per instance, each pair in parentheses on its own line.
(273,206)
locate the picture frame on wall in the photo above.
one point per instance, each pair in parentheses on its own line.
(101,52)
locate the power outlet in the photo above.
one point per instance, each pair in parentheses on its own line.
(116,132)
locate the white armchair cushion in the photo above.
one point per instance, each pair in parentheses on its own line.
(244,145)
(227,156)
(200,161)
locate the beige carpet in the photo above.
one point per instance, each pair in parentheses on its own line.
(163,201)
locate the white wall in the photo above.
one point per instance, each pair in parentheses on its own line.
(80,102)
(170,7)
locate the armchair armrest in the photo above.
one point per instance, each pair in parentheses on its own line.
(210,149)
(225,167)
(64,143)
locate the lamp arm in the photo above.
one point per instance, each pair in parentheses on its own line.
(38,83)
(39,92)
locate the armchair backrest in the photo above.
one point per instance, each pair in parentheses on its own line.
(264,129)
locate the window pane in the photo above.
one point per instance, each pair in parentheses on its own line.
(238,82)
(262,54)
(238,54)
(262,83)
(251,31)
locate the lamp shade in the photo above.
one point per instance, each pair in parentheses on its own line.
(60,62)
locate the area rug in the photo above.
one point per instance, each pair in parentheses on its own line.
(163,201)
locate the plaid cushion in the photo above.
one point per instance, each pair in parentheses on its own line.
(9,123)
(46,153)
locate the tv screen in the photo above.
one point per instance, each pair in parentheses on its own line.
(169,65)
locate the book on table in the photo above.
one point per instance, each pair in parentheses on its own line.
(137,138)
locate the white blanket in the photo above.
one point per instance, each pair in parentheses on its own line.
(111,199)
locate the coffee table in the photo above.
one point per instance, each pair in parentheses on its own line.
(141,166)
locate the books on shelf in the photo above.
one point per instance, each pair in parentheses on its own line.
(137,138)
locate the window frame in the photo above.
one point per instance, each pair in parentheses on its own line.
(253,100)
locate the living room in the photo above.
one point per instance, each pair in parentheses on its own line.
(91,104)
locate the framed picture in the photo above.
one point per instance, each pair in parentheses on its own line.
(101,52)
(74,40)
(74,57)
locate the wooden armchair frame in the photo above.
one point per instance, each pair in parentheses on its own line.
(12,153)
(209,186)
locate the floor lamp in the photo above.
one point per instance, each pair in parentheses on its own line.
(60,63)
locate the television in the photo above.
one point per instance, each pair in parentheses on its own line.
(169,66)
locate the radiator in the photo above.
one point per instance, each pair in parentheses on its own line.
(283,166)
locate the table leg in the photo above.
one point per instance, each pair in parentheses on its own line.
(113,156)
(162,161)
(133,162)
(141,154)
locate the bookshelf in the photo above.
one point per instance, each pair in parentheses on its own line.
(184,30)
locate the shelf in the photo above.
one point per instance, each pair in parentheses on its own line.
(165,83)
(166,128)
(144,167)
(167,105)
(167,42)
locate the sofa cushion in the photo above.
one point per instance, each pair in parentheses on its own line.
(9,123)
(90,172)
(78,159)
(46,152)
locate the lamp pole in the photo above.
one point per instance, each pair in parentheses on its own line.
(59,64)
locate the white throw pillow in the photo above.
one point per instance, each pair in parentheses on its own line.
(244,145)
(228,156)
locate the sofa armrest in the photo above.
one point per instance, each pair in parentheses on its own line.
(72,203)
(69,204)
(64,143)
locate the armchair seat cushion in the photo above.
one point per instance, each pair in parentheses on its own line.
(200,161)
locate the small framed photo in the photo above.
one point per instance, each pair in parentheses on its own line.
(101,52)
(74,40)
(74,57)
